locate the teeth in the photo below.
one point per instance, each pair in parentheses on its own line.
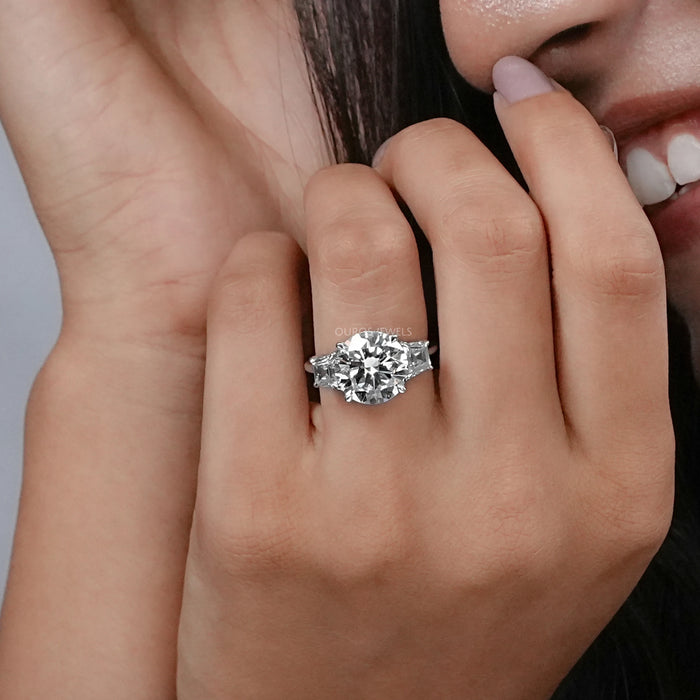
(684,158)
(649,178)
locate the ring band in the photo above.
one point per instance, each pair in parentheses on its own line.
(371,367)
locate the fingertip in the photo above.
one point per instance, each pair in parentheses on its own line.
(516,79)
(379,155)
(499,103)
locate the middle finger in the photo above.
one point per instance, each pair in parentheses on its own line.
(491,263)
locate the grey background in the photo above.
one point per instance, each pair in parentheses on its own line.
(30,316)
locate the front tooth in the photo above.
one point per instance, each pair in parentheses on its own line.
(649,178)
(684,158)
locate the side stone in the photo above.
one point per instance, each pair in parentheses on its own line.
(325,367)
(419,357)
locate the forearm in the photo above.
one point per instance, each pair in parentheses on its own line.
(92,605)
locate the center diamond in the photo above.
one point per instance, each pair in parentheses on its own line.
(371,367)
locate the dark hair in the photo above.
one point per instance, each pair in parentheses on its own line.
(379,65)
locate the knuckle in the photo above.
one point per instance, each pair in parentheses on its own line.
(328,174)
(531,556)
(250,286)
(366,539)
(524,538)
(633,511)
(634,531)
(244,541)
(332,183)
(523,548)
(518,527)
(359,253)
(364,558)
(632,268)
(652,516)
(511,241)
(405,142)
(260,245)
(245,299)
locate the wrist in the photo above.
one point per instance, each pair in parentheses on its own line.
(122,366)
(126,324)
(111,450)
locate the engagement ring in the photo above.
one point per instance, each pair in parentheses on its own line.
(371,367)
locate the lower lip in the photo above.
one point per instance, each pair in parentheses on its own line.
(677,223)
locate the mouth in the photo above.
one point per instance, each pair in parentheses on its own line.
(659,146)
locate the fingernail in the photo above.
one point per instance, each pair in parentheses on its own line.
(516,79)
(380,152)
(611,137)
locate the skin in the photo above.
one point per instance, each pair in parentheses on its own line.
(162,158)
(498,518)
(143,174)
(660,54)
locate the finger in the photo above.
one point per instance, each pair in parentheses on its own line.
(607,269)
(365,274)
(256,409)
(491,273)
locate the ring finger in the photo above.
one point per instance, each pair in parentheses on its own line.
(365,274)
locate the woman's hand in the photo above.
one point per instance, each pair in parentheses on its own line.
(151,134)
(471,537)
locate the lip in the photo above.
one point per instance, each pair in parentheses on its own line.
(656,138)
(631,117)
(677,222)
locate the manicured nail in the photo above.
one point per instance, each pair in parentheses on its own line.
(517,79)
(380,152)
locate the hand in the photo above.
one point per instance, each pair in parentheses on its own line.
(151,135)
(467,542)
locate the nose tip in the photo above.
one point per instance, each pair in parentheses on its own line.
(563,37)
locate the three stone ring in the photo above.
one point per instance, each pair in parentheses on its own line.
(371,367)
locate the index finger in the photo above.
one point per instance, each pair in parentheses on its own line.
(608,281)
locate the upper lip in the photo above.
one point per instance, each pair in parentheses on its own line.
(633,116)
